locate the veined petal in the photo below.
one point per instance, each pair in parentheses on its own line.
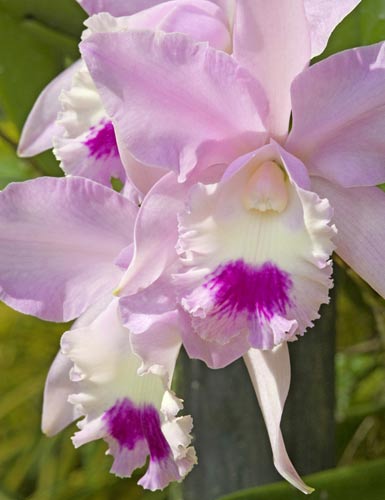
(155,235)
(87,144)
(152,318)
(141,177)
(59,240)
(272,40)
(338,117)
(41,125)
(359,217)
(174,102)
(255,249)
(202,20)
(323,16)
(140,310)
(158,346)
(117,7)
(270,376)
(214,354)
(154,309)
(135,414)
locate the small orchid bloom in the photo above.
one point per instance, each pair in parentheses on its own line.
(135,414)
(83,122)
(77,124)
(255,252)
(66,243)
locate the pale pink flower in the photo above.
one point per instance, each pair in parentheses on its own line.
(236,216)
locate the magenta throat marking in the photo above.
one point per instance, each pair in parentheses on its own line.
(129,424)
(242,288)
(101,141)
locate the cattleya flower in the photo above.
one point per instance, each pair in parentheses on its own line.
(188,104)
(134,414)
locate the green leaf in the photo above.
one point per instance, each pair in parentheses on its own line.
(357,482)
(65,16)
(30,58)
(372,21)
(12,168)
(364,26)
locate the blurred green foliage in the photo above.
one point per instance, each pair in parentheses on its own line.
(38,39)
(359,482)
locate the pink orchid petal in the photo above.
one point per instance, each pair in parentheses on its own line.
(295,168)
(271,40)
(323,16)
(175,102)
(214,355)
(141,176)
(359,217)
(155,235)
(41,127)
(338,117)
(128,7)
(59,239)
(270,375)
(201,20)
(159,346)
(117,7)
(141,310)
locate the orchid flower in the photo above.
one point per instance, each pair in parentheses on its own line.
(78,119)
(234,117)
(134,413)
(69,114)
(64,210)
(74,239)
(238,263)
(254,242)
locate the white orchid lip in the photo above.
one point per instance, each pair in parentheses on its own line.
(267,188)
(255,250)
(87,144)
(240,299)
(135,414)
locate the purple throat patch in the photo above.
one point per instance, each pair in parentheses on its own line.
(101,141)
(240,288)
(130,424)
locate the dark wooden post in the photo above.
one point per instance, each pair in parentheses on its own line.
(230,436)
